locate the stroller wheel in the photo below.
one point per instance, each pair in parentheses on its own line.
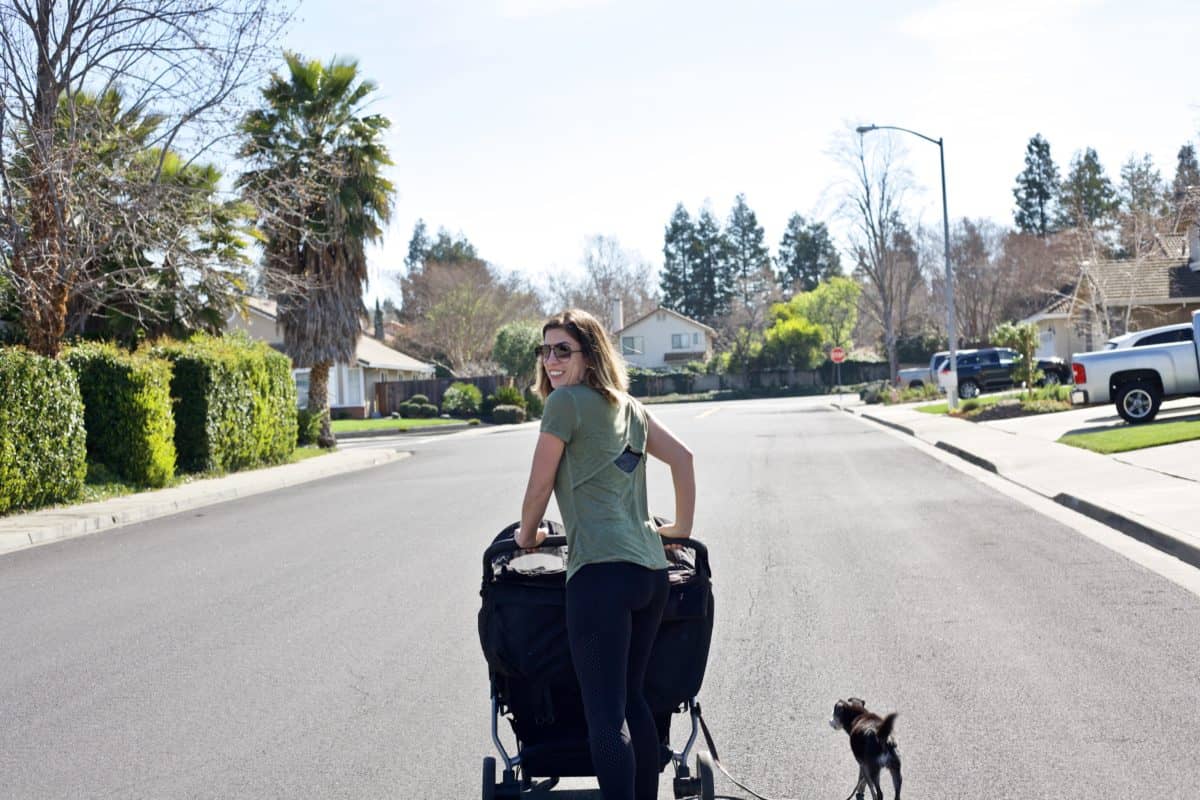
(704,773)
(489,778)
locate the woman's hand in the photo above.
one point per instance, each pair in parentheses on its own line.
(531,542)
(673,530)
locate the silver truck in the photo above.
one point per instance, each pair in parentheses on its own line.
(1137,379)
(916,377)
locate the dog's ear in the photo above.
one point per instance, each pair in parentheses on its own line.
(855,701)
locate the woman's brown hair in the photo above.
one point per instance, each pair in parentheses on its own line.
(605,368)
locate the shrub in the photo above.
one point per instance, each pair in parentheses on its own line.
(413,410)
(462,400)
(968,405)
(504,396)
(43,443)
(508,415)
(874,393)
(418,398)
(127,411)
(235,403)
(533,404)
(308,426)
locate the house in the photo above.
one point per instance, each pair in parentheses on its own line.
(351,386)
(1112,297)
(664,339)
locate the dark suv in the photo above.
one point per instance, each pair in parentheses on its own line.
(992,368)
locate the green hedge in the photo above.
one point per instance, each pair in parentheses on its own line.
(43,445)
(235,403)
(127,411)
(415,410)
(508,415)
(462,400)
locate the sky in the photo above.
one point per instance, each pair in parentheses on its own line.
(531,125)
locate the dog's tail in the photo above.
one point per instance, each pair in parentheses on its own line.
(885,727)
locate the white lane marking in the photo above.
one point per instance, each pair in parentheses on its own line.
(710,411)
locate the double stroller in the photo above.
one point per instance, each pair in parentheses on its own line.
(522,628)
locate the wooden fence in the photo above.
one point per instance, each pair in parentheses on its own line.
(682,383)
(390,394)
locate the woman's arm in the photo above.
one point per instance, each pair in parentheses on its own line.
(663,445)
(546,456)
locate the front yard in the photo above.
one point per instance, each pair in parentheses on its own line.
(388,424)
(1124,438)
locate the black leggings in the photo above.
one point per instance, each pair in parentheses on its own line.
(613,612)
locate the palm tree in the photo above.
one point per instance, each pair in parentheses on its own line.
(316,161)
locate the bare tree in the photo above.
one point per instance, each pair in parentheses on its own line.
(884,252)
(610,273)
(94,208)
(463,306)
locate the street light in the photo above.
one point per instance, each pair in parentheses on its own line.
(952,389)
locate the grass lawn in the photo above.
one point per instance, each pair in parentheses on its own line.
(1135,437)
(388,424)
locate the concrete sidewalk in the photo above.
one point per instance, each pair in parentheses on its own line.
(39,527)
(1156,499)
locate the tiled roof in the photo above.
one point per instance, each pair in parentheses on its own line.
(1150,281)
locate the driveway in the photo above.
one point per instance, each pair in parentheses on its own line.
(1181,460)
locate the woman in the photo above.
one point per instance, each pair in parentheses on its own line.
(591,454)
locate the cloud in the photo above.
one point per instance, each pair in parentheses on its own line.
(519,9)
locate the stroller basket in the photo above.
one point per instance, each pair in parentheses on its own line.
(522,630)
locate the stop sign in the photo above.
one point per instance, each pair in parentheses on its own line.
(837,355)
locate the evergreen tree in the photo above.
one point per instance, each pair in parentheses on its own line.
(1143,198)
(749,261)
(418,246)
(711,278)
(1087,197)
(807,256)
(677,279)
(1187,173)
(378,320)
(447,249)
(1036,190)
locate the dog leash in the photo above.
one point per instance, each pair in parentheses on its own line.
(712,749)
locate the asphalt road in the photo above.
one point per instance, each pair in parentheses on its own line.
(320,642)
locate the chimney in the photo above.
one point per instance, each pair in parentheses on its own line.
(618,315)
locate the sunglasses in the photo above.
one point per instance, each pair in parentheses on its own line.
(562,351)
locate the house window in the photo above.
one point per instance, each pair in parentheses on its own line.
(354,387)
(679,341)
(633,345)
(301,376)
(695,338)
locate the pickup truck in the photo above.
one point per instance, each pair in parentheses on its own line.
(1137,379)
(992,368)
(916,377)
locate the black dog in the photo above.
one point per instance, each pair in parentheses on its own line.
(872,745)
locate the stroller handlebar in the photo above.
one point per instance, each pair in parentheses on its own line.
(506,543)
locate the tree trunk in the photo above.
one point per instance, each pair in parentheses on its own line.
(318,401)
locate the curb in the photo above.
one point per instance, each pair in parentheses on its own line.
(51,525)
(982,463)
(888,423)
(1132,528)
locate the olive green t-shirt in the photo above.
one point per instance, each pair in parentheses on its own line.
(601,481)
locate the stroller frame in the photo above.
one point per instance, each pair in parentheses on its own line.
(686,783)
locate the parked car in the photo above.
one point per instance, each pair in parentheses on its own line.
(1137,378)
(1165,334)
(990,369)
(916,377)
